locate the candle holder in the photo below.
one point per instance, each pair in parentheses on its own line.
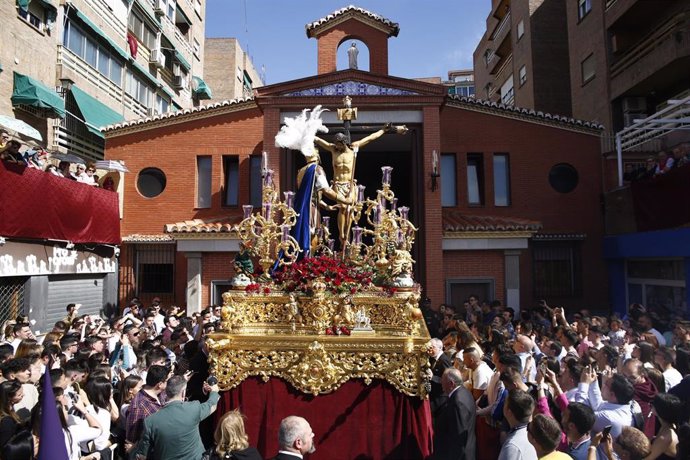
(268,231)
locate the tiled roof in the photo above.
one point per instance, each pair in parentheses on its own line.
(527,113)
(139,238)
(351,10)
(455,221)
(202,226)
(176,114)
(559,236)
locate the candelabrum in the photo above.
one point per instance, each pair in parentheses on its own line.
(268,232)
(387,224)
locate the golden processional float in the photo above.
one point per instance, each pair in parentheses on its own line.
(320,317)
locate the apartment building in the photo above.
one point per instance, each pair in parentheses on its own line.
(229,70)
(522,58)
(461,82)
(90,63)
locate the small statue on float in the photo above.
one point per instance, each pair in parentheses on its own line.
(244,266)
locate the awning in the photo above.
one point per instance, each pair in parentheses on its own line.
(48,4)
(146,74)
(183,62)
(201,89)
(31,92)
(96,30)
(169,93)
(96,114)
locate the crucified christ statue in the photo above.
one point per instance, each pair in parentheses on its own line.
(344,156)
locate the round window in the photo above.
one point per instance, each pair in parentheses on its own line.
(151,182)
(563,178)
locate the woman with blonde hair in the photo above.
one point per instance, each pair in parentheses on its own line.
(232,441)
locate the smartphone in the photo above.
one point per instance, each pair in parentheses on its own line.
(606,431)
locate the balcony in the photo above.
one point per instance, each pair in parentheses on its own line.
(502,30)
(38,205)
(107,16)
(654,60)
(70,61)
(651,204)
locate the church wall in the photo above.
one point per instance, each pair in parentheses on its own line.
(533,150)
(174,149)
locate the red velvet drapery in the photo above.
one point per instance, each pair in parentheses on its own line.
(357,421)
(37,204)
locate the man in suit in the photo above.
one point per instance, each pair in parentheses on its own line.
(454,437)
(295,439)
(439,362)
(172,433)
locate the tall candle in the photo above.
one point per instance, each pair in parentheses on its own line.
(379,212)
(331,243)
(326,220)
(268,177)
(387,170)
(289,198)
(285,234)
(400,236)
(247,208)
(267,210)
(360,192)
(394,204)
(357,234)
(404,211)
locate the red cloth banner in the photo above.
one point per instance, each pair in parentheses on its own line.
(133,45)
(39,205)
(357,421)
(661,202)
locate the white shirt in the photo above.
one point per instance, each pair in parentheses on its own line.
(672,377)
(103,417)
(294,454)
(606,413)
(481,376)
(79,433)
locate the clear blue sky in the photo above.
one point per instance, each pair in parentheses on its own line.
(435,35)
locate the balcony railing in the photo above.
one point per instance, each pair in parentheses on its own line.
(651,43)
(74,63)
(502,29)
(115,24)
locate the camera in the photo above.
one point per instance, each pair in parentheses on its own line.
(212,380)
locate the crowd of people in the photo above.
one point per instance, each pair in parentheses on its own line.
(548,385)
(37,158)
(120,386)
(558,386)
(665,161)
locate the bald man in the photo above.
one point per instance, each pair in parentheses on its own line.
(295,439)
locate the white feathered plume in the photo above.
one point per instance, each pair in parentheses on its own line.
(298,133)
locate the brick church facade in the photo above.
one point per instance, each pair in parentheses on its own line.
(514,216)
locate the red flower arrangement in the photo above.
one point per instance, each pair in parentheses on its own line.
(252,288)
(338,276)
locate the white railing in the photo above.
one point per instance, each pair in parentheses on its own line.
(73,62)
(503,26)
(135,107)
(115,23)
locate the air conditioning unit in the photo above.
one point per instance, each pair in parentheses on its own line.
(159,6)
(629,118)
(157,58)
(634,104)
(179,82)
